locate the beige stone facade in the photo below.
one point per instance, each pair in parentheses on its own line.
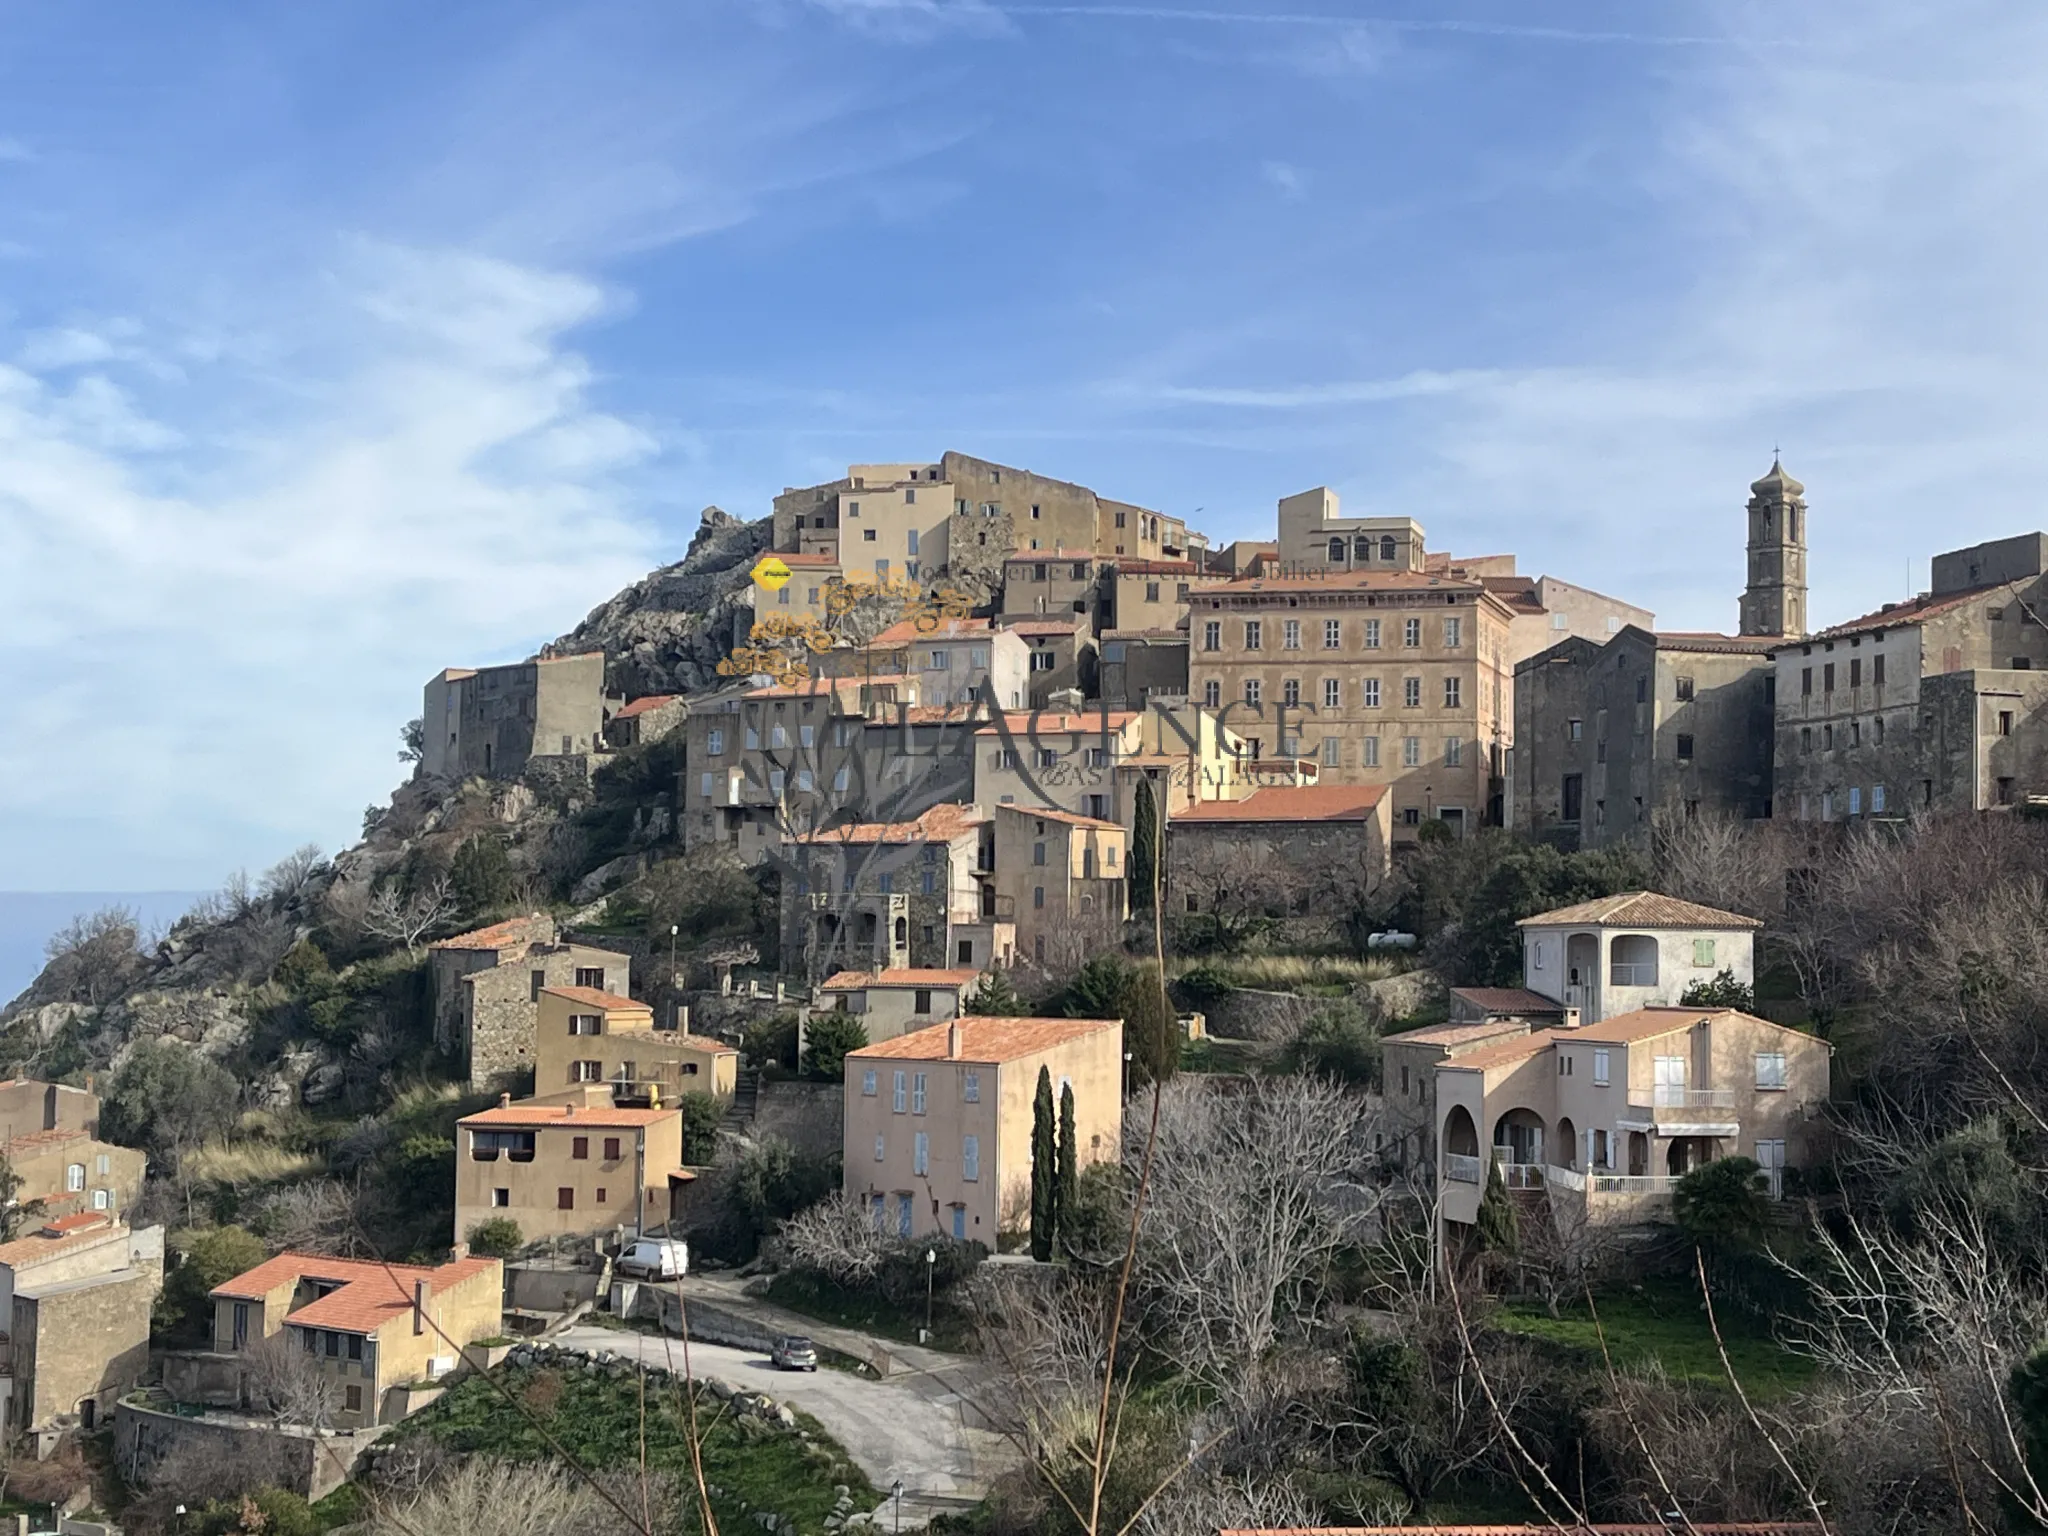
(491,721)
(69,1171)
(1393,678)
(938,1122)
(585,1035)
(1618,954)
(369,1328)
(487,988)
(1315,535)
(78,1292)
(1061,878)
(568,1169)
(883,895)
(1060,657)
(1154,595)
(895,1002)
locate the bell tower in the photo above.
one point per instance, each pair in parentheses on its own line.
(1774,602)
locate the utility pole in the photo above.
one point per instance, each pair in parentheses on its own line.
(931,1263)
(675,993)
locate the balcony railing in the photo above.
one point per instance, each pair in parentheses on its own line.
(1462,1168)
(1521,1175)
(1620,974)
(1631,1184)
(1667,1096)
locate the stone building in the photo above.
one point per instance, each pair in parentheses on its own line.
(881,894)
(1058,583)
(1389,677)
(487,989)
(50,1135)
(1138,666)
(646,720)
(1609,738)
(1774,596)
(78,1292)
(892,1003)
(491,721)
(1928,704)
(1639,949)
(954,661)
(1315,535)
(1339,835)
(938,1122)
(1154,594)
(368,1328)
(1059,877)
(568,1166)
(1060,657)
(769,762)
(588,1035)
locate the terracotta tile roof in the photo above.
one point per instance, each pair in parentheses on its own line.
(985,1040)
(906,632)
(1042,626)
(1064,818)
(1709,640)
(859,981)
(36,1140)
(1290,802)
(1452,1036)
(1155,568)
(605,1002)
(931,714)
(44,1243)
(1060,556)
(1925,606)
(642,705)
(1644,1024)
(819,686)
(1505,1052)
(1640,909)
(1047,724)
(369,1294)
(1347,581)
(942,823)
(527,1115)
(1152,636)
(506,935)
(1508,999)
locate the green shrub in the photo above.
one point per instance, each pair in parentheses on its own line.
(993,997)
(272,1511)
(703,1114)
(303,968)
(1722,991)
(1725,1205)
(1339,1041)
(167,1099)
(771,1042)
(1204,985)
(481,875)
(209,1258)
(827,1039)
(496,1237)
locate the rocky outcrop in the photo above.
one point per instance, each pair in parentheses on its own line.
(668,632)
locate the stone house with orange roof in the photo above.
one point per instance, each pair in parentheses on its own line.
(1060,878)
(50,1135)
(487,986)
(894,1002)
(938,1121)
(881,894)
(1333,841)
(647,719)
(571,1165)
(586,1035)
(77,1292)
(367,1328)
(955,661)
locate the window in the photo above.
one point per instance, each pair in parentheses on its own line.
(611,1149)
(1043,661)
(1454,631)
(1372,634)
(585,1071)
(1877,669)
(1806,738)
(1855,799)
(970,1088)
(714,743)
(1411,633)
(1703,953)
(100,1199)
(1805,682)
(1770,1071)
(1212,694)
(1877,799)
(1411,816)
(970,1158)
(1575,730)
(1151,591)
(1684,748)
(1369,752)
(1411,692)
(1290,692)
(1251,691)
(1370,696)
(103,1165)
(1387,546)
(1601,1060)
(1572,798)
(881,1149)
(565,1199)
(867,1082)
(777,780)
(1333,693)
(1212,636)
(579,1146)
(1333,752)
(1290,635)
(1038,854)
(1038,896)
(901,1086)
(903,1210)
(1254,634)
(921,1154)
(1683,686)
(1454,692)
(586,1024)
(1411,751)
(1333,634)
(2005,722)
(917,1094)
(1827,678)
(1454,752)
(501,1198)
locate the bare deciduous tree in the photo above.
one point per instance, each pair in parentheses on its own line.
(408,919)
(837,1237)
(485,1497)
(317,1216)
(92,958)
(289,875)
(290,1384)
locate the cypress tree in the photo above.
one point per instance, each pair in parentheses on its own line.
(1151,1032)
(1142,867)
(1068,1185)
(1499,1230)
(1044,1176)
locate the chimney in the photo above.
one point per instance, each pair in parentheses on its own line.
(422,1289)
(458,1253)
(956,1041)
(504,1101)
(1570,1020)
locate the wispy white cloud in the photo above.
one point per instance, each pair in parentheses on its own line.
(1297,19)
(1314,397)
(220,641)
(1291,180)
(919,20)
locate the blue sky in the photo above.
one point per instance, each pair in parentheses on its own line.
(341,343)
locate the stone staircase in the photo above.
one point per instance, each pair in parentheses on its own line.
(746,1096)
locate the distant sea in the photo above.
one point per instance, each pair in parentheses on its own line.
(28,918)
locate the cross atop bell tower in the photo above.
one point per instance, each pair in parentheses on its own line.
(1774,602)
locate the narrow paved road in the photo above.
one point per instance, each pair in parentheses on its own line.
(907,1427)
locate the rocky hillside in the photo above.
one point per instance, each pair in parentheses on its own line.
(668,632)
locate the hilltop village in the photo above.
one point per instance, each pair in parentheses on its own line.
(880,937)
